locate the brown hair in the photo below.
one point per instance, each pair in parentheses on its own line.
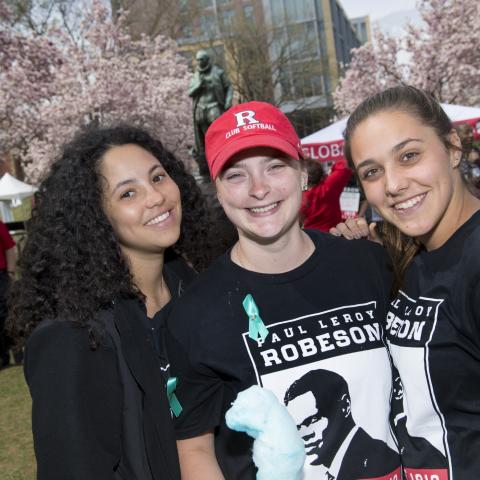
(425,108)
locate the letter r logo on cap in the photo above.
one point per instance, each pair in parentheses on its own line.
(245,116)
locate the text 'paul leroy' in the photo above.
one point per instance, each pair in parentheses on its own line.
(319,336)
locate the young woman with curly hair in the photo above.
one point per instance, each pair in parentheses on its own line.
(113,224)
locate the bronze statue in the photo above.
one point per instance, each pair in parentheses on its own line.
(212,94)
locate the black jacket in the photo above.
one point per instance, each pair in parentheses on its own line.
(102,414)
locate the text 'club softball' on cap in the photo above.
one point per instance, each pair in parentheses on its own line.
(249,125)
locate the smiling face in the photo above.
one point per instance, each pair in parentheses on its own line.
(141,202)
(260,191)
(408,175)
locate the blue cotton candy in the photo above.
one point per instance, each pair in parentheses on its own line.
(278,450)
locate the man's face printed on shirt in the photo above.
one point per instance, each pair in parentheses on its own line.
(311,425)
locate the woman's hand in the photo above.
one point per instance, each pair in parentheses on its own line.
(355,228)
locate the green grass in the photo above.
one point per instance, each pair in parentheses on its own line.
(17,461)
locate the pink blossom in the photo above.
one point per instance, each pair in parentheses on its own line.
(51,86)
(443,53)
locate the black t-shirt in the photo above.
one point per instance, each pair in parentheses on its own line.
(325,316)
(178,275)
(434,338)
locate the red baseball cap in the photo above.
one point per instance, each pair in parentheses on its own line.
(248,125)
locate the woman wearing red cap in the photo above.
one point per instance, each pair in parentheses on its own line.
(297,312)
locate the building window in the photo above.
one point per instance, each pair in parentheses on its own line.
(186,30)
(316,81)
(285,84)
(303,41)
(319,9)
(298,10)
(248,13)
(278,16)
(207,25)
(226,17)
(279,44)
(307,82)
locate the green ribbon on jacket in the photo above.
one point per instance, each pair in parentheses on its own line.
(256,327)
(175,406)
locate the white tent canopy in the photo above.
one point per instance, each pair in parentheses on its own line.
(325,143)
(14,190)
(331,133)
(457,113)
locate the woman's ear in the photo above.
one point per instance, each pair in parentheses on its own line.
(456,149)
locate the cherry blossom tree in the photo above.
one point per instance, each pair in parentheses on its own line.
(105,78)
(441,56)
(27,65)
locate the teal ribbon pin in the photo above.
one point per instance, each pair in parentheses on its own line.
(175,406)
(256,327)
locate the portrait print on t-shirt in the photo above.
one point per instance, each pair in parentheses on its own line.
(417,421)
(331,370)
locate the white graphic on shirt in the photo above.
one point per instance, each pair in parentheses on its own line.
(416,417)
(332,370)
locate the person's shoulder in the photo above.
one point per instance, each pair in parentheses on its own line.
(54,343)
(65,341)
(66,336)
(204,288)
(372,255)
(464,244)
(211,278)
(176,263)
(179,274)
(342,245)
(472,232)
(59,362)
(362,255)
(53,329)
(470,245)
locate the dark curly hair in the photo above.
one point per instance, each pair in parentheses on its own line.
(71,265)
